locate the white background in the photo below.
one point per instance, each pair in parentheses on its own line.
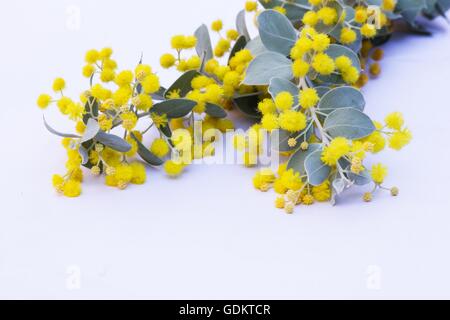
(209,234)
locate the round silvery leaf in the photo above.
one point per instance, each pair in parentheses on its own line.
(322,28)
(256,46)
(342,97)
(322,90)
(297,160)
(267,66)
(349,123)
(204,46)
(336,33)
(336,50)
(241,25)
(410,9)
(360,179)
(317,171)
(276,32)
(278,85)
(295,9)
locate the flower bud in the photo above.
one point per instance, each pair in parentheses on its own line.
(99,148)
(292,196)
(368,197)
(95,170)
(304,146)
(292,143)
(289,208)
(395,192)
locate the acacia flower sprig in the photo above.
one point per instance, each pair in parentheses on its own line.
(313,101)
(133,102)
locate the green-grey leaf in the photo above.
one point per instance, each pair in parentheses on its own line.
(297,160)
(410,9)
(204,46)
(240,44)
(84,155)
(159,95)
(336,50)
(92,128)
(166,131)
(445,4)
(267,66)
(323,28)
(349,18)
(183,84)
(278,85)
(256,46)
(295,9)
(349,123)
(276,32)
(174,108)
(139,88)
(88,146)
(339,185)
(342,97)
(316,170)
(361,179)
(215,111)
(146,154)
(241,25)
(248,105)
(112,141)
(321,90)
(57,133)
(333,200)
(441,7)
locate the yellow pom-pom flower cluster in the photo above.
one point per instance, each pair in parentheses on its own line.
(310,58)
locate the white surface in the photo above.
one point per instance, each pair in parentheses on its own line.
(209,234)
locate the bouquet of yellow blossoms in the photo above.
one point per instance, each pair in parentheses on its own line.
(299,80)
